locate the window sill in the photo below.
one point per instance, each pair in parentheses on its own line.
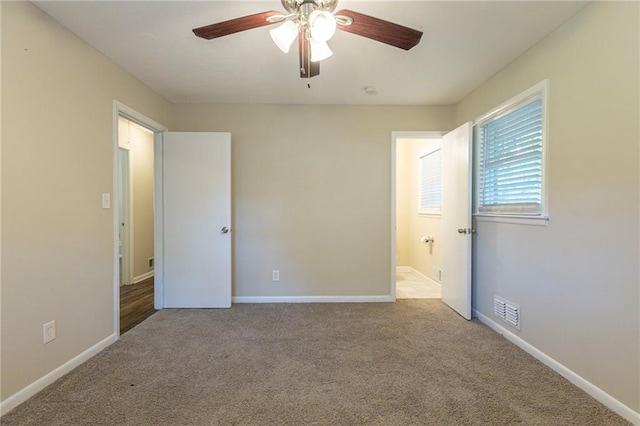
(434,215)
(517,220)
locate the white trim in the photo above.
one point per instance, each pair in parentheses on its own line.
(127,214)
(138,118)
(392,196)
(411,270)
(158,222)
(417,135)
(313,299)
(27,392)
(432,281)
(540,88)
(591,389)
(142,277)
(517,220)
(116,221)
(130,216)
(120,109)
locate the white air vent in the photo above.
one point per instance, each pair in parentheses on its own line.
(506,311)
(436,273)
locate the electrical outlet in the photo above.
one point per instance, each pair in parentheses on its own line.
(49,330)
(275,275)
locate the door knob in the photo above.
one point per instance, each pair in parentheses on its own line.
(466,231)
(224,230)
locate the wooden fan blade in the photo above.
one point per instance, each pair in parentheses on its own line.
(306,66)
(380,30)
(235,25)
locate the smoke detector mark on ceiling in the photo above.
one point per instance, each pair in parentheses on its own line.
(370,90)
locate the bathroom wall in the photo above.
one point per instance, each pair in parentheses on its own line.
(411,226)
(142,186)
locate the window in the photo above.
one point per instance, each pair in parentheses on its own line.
(430,166)
(510,161)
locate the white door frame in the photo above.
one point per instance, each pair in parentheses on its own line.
(120,109)
(126,238)
(394,143)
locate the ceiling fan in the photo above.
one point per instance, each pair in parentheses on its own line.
(313,23)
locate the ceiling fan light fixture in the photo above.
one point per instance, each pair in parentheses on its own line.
(313,23)
(322,25)
(319,50)
(284,35)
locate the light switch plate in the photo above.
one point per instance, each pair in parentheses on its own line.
(106,200)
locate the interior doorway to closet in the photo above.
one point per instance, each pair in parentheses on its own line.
(418,224)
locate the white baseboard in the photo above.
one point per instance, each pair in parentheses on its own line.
(22,395)
(410,270)
(142,277)
(591,389)
(431,280)
(313,299)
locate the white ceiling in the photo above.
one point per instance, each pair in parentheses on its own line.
(464,44)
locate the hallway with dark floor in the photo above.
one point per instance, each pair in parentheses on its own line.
(136,304)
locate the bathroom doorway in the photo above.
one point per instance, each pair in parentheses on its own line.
(418,191)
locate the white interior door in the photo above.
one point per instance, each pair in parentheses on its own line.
(456,219)
(197,220)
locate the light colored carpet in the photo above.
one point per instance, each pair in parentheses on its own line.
(414,362)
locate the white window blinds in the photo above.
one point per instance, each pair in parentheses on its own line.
(430,183)
(510,167)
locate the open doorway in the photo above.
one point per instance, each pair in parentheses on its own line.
(136,260)
(156,129)
(418,227)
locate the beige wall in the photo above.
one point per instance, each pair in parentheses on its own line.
(142,177)
(311,192)
(412,226)
(577,279)
(138,142)
(57,129)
